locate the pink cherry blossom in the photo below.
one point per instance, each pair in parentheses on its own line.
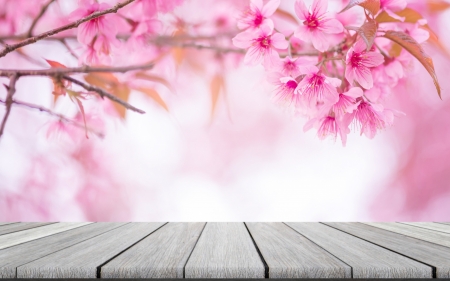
(318,88)
(359,62)
(347,101)
(286,91)
(261,44)
(293,66)
(316,25)
(329,125)
(370,118)
(102,25)
(257,14)
(151,7)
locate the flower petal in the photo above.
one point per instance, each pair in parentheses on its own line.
(372,59)
(331,26)
(319,7)
(300,10)
(244,39)
(363,77)
(270,8)
(279,41)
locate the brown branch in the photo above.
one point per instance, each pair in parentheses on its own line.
(64,42)
(9,99)
(59,116)
(103,94)
(38,17)
(83,69)
(10,48)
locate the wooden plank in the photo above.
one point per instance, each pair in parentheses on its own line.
(290,255)
(447,223)
(10,228)
(5,223)
(18,255)
(422,251)
(415,232)
(225,250)
(431,225)
(82,259)
(161,255)
(366,259)
(23,236)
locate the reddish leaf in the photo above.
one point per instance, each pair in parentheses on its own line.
(153,95)
(217,84)
(373,6)
(410,15)
(75,96)
(55,64)
(59,86)
(414,48)
(368,31)
(123,92)
(437,5)
(286,15)
(154,78)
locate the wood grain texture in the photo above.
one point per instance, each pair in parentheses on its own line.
(290,255)
(366,259)
(23,236)
(225,250)
(18,255)
(447,223)
(430,225)
(161,255)
(82,259)
(10,228)
(415,232)
(5,223)
(422,251)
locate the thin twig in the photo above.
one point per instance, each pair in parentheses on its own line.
(103,93)
(59,116)
(64,42)
(10,48)
(83,69)
(9,99)
(38,17)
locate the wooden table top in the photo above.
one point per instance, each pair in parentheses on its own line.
(224,250)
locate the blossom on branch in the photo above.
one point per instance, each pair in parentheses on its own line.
(257,14)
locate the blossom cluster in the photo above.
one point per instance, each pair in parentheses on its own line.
(339,77)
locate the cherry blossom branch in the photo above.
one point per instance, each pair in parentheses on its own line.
(38,17)
(83,69)
(57,115)
(103,94)
(9,100)
(31,40)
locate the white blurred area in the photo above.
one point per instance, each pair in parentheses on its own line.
(252,162)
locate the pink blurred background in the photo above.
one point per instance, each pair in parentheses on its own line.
(250,162)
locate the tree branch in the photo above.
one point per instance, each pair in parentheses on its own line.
(9,100)
(83,69)
(38,17)
(10,48)
(59,116)
(103,94)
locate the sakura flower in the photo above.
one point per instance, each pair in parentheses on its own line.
(316,25)
(347,101)
(293,66)
(329,125)
(358,63)
(370,118)
(318,88)
(261,44)
(151,7)
(286,90)
(257,14)
(392,6)
(87,31)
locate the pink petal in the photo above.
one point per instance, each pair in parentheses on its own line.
(270,8)
(309,124)
(335,82)
(319,7)
(300,10)
(331,26)
(372,59)
(363,77)
(256,5)
(279,41)
(359,47)
(253,56)
(319,41)
(270,58)
(244,39)
(266,28)
(354,92)
(349,74)
(303,33)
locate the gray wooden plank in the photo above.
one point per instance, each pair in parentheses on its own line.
(5,223)
(366,259)
(160,255)
(431,225)
(18,255)
(415,232)
(447,223)
(225,250)
(10,228)
(23,236)
(422,251)
(290,255)
(82,259)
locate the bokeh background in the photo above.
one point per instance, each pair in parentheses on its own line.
(249,161)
